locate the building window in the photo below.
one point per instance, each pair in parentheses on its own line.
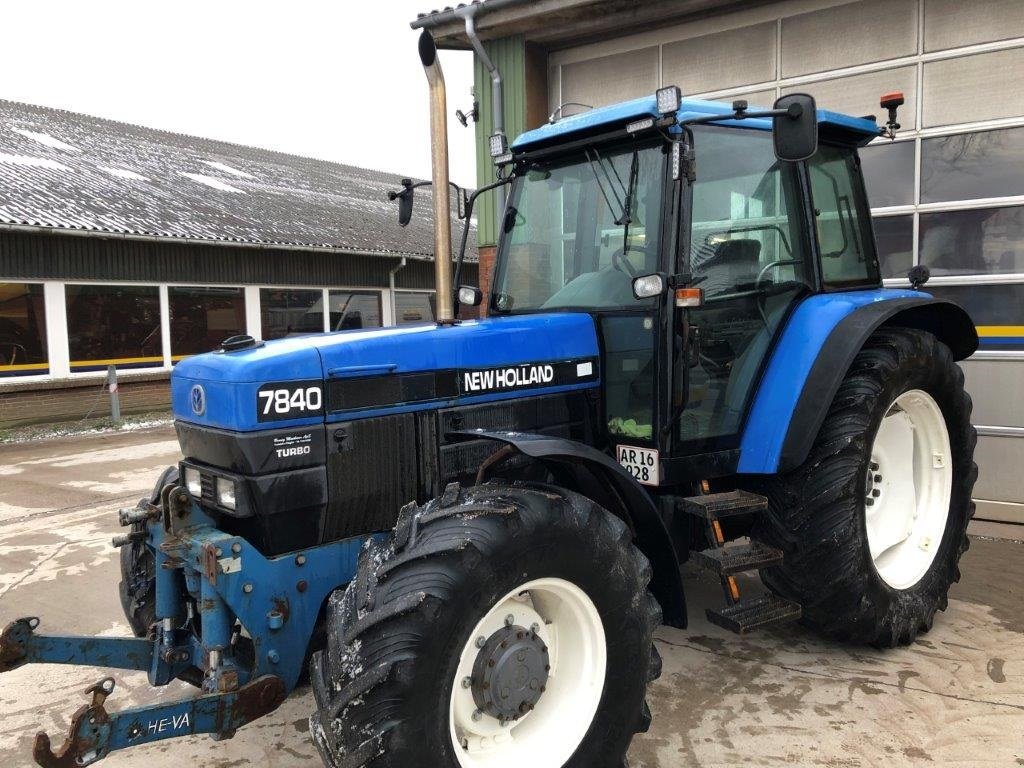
(290,312)
(895,238)
(968,166)
(113,325)
(201,318)
(355,309)
(889,173)
(973,242)
(413,307)
(22,330)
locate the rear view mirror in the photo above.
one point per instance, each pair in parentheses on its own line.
(796,132)
(405,207)
(404,201)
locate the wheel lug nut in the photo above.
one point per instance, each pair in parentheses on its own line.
(869,502)
(477,715)
(878,478)
(876,493)
(535,628)
(510,620)
(467,682)
(481,641)
(874,466)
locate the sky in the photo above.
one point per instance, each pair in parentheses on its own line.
(332,80)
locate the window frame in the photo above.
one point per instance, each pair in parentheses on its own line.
(873,277)
(662,239)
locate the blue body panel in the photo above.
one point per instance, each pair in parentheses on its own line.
(231,380)
(788,368)
(620,114)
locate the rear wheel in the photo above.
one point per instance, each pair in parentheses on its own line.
(874,522)
(499,626)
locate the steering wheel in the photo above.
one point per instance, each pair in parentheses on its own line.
(622,264)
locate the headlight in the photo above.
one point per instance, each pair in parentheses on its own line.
(226,492)
(193,482)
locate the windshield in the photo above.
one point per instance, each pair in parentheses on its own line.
(579,228)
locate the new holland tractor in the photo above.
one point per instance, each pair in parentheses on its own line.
(468,531)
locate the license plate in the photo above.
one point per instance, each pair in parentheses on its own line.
(641,463)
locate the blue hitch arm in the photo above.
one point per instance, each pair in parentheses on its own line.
(19,644)
(95,733)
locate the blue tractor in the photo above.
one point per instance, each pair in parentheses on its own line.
(468,531)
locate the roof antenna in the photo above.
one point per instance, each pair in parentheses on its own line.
(555,116)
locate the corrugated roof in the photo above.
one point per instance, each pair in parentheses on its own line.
(66,170)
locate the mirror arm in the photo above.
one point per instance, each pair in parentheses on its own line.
(470,202)
(737,115)
(463,198)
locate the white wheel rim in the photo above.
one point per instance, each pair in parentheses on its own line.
(567,620)
(909,482)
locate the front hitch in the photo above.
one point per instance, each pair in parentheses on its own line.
(95,733)
(89,736)
(14,643)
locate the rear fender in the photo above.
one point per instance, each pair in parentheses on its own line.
(599,477)
(810,361)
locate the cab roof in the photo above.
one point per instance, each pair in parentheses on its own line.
(834,126)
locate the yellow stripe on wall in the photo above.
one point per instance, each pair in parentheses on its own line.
(1000,330)
(115,361)
(26,367)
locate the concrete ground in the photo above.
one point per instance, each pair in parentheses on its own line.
(780,698)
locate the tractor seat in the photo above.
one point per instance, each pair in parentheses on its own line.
(734,263)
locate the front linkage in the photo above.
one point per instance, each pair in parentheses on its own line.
(209,587)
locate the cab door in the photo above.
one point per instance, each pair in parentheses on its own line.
(748,250)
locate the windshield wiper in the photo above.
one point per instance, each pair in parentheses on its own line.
(627,208)
(622,215)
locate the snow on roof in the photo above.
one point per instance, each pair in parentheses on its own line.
(211,182)
(66,170)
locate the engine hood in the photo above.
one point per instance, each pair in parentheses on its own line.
(358,374)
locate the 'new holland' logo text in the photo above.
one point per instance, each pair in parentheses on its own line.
(507,378)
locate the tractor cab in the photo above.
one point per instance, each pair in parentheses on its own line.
(689,231)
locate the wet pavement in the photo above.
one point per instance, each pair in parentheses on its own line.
(779,698)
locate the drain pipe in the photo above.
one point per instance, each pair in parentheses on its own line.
(440,193)
(391,284)
(468,14)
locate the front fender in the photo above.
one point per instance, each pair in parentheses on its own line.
(809,362)
(652,537)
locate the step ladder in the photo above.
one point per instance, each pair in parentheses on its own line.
(739,615)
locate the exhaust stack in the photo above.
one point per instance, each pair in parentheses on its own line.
(439,159)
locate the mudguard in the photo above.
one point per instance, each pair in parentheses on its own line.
(821,339)
(588,465)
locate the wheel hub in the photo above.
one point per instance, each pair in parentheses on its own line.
(510,673)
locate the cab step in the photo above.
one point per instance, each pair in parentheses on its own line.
(713,506)
(738,558)
(755,613)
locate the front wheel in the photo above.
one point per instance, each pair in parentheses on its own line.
(874,522)
(499,626)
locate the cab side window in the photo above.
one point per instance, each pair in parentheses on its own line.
(841,219)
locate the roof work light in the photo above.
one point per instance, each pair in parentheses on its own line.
(498,144)
(669,99)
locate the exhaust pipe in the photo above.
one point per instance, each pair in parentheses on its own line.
(439,159)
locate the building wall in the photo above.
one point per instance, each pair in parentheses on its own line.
(949,192)
(72,306)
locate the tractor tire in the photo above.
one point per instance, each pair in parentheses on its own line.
(874,522)
(138,570)
(437,611)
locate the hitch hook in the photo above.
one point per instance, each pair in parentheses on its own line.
(88,736)
(14,642)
